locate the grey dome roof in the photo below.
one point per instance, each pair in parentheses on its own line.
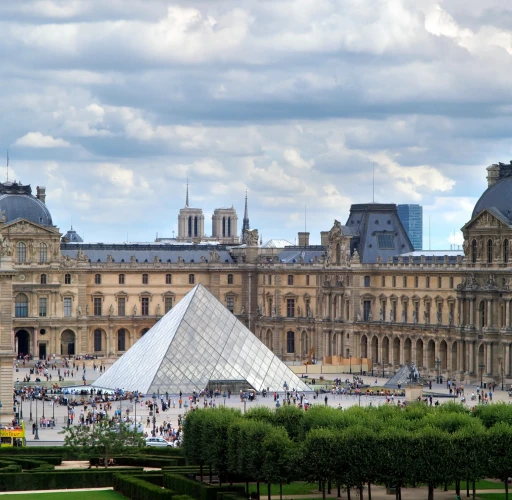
(497,197)
(72,237)
(25,206)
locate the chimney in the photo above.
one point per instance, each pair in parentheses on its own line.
(41,193)
(324,238)
(303,239)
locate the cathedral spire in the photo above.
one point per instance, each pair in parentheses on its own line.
(245,225)
(186,199)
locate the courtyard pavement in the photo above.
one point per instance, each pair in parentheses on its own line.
(52,435)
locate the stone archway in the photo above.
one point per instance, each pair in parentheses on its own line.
(375,349)
(269,340)
(22,339)
(443,355)
(385,351)
(455,365)
(396,351)
(67,343)
(364,346)
(408,351)
(419,353)
(431,354)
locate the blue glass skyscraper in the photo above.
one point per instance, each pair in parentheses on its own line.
(412,220)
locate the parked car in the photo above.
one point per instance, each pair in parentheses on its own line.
(157,441)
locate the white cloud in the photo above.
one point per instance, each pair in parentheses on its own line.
(38,140)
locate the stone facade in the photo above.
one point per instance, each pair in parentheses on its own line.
(450,314)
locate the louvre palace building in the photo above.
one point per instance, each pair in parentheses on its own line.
(362,293)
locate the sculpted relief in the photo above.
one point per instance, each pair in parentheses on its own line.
(338,251)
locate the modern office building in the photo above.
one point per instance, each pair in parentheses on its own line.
(412,220)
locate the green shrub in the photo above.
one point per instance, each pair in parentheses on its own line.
(71,479)
(184,486)
(138,461)
(137,488)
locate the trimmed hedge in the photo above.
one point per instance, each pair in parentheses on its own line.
(51,480)
(137,488)
(139,461)
(200,491)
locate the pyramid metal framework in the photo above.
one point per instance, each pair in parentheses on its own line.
(197,343)
(401,377)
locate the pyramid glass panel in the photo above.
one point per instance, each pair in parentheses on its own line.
(198,343)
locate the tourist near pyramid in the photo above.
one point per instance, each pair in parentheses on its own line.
(198,344)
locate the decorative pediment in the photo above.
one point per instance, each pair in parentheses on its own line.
(415,298)
(487,219)
(23,226)
(290,295)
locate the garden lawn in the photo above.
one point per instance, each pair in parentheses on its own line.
(481,485)
(65,495)
(288,489)
(490,496)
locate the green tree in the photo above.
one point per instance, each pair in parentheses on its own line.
(279,458)
(498,444)
(429,457)
(318,456)
(105,438)
(468,457)
(292,419)
(194,427)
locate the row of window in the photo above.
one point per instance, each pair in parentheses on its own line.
(492,251)
(145,279)
(291,279)
(121,339)
(21,252)
(405,281)
(21,306)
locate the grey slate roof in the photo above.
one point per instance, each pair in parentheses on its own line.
(294,254)
(368,221)
(498,197)
(24,206)
(145,252)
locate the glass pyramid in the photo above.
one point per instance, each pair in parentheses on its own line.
(198,344)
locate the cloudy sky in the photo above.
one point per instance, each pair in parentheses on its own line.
(112,104)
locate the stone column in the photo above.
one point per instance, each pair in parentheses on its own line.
(471,365)
(471,312)
(489,367)
(36,352)
(489,313)
(507,313)
(506,360)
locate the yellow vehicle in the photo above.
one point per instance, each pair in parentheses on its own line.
(13,436)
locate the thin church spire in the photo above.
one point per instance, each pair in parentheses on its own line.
(245,225)
(186,199)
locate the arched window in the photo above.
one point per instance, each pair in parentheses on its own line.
(290,342)
(121,340)
(97,340)
(21,306)
(505,251)
(43,279)
(97,279)
(474,251)
(489,251)
(43,253)
(144,331)
(230,279)
(21,252)
(67,279)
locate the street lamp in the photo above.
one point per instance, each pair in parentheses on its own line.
(31,397)
(481,366)
(350,361)
(244,397)
(154,415)
(438,366)
(37,425)
(502,375)
(372,367)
